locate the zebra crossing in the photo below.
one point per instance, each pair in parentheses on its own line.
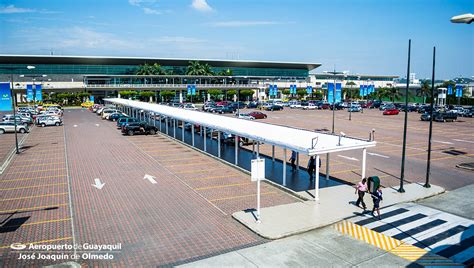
(438,232)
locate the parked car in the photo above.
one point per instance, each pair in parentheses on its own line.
(258,115)
(310,106)
(139,128)
(125,120)
(295,104)
(208,105)
(107,112)
(355,108)
(325,106)
(116,116)
(445,116)
(7,126)
(49,121)
(252,105)
(391,112)
(219,109)
(245,116)
(274,107)
(337,106)
(189,106)
(387,106)
(19,119)
(239,105)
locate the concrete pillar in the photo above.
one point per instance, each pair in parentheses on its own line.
(192,134)
(284,166)
(273,153)
(204,140)
(219,144)
(253,147)
(174,128)
(327,166)
(258,150)
(316,179)
(160,124)
(297,161)
(182,130)
(180,96)
(236,150)
(166,125)
(208,97)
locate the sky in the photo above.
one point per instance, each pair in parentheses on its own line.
(359,36)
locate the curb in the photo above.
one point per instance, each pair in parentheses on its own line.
(11,155)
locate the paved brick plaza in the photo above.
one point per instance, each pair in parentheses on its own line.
(184,216)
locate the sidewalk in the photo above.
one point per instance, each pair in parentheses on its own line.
(335,204)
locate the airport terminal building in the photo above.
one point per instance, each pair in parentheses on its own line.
(106,76)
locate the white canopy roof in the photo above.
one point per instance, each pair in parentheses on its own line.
(287,137)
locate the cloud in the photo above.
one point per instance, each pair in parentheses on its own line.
(151,11)
(201,5)
(240,23)
(11,9)
(179,39)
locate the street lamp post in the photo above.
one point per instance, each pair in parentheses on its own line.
(13,96)
(428,161)
(405,124)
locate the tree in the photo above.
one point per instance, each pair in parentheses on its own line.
(301,93)
(382,93)
(227,72)
(286,91)
(145,95)
(197,68)
(127,93)
(395,93)
(245,93)
(166,94)
(425,90)
(214,92)
(147,69)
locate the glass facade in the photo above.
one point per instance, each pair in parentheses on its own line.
(80,69)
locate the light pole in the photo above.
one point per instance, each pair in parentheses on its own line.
(334,73)
(405,124)
(428,161)
(13,96)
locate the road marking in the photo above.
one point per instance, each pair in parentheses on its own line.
(463,141)
(32,208)
(343,171)
(189,164)
(348,158)
(379,155)
(392,245)
(35,171)
(75,126)
(216,177)
(199,170)
(97,125)
(443,142)
(98,184)
(29,197)
(34,186)
(27,179)
(150,178)
(239,196)
(38,165)
(221,186)
(42,241)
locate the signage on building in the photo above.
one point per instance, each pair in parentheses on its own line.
(5,97)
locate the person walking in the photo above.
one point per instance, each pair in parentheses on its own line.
(292,160)
(311,167)
(361,189)
(377,197)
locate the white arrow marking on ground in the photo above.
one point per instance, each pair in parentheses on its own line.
(150,178)
(98,184)
(96,125)
(463,141)
(348,158)
(75,126)
(379,155)
(443,142)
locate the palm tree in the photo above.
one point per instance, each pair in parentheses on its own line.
(395,93)
(383,93)
(424,91)
(194,68)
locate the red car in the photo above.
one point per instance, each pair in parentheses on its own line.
(325,106)
(390,112)
(258,115)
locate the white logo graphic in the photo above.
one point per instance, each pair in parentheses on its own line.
(18,246)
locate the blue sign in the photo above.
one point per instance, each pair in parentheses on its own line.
(193,90)
(366,90)
(29,93)
(275,90)
(309,89)
(5,97)
(338,92)
(361,91)
(39,93)
(189,89)
(331,93)
(458,91)
(450,90)
(91,98)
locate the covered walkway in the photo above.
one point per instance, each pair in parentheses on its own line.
(171,120)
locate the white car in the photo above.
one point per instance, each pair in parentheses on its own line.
(295,105)
(310,106)
(189,106)
(245,116)
(49,121)
(107,112)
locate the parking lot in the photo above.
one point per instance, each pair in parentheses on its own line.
(182,213)
(453,143)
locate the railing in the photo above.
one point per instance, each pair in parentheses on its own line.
(176,86)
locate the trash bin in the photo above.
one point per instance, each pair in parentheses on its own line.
(373,183)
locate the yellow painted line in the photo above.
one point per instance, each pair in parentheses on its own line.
(32,208)
(180,159)
(190,164)
(199,170)
(37,165)
(48,221)
(239,196)
(26,179)
(343,171)
(42,241)
(30,197)
(164,150)
(221,186)
(394,246)
(35,171)
(215,177)
(34,186)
